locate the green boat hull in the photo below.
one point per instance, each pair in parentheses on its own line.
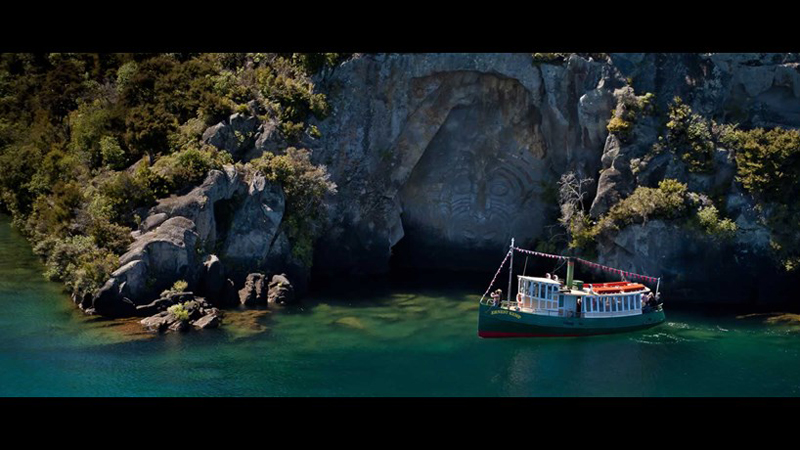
(496,322)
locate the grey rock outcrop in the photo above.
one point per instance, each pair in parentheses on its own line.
(201,315)
(234,135)
(255,290)
(153,263)
(281,291)
(241,218)
(254,225)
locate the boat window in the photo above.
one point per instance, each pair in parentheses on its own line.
(560,301)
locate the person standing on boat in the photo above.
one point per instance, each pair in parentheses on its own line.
(496,295)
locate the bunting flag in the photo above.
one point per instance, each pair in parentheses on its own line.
(617,271)
(589,264)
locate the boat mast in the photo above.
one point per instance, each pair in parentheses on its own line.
(510,269)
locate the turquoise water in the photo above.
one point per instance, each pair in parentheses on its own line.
(384,339)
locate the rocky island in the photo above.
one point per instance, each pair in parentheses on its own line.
(173,186)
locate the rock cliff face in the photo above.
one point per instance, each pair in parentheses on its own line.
(453,153)
(441,159)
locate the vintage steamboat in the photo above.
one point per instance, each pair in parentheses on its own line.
(547,306)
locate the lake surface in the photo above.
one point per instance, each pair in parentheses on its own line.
(398,337)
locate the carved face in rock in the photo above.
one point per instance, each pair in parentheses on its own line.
(477,184)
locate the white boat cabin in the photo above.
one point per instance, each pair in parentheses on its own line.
(548,297)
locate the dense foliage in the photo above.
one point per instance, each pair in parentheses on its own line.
(768,166)
(89,141)
(670,200)
(693,137)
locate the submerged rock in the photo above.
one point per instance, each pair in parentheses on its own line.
(208,321)
(351,322)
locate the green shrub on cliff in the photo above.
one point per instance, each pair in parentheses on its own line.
(78,262)
(305,186)
(768,161)
(114,196)
(668,201)
(177,287)
(113,155)
(313,63)
(708,218)
(549,58)
(629,108)
(689,134)
(289,91)
(768,166)
(179,311)
(187,167)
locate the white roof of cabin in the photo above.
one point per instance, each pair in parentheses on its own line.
(539,280)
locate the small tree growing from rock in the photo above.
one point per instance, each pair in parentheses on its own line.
(571,191)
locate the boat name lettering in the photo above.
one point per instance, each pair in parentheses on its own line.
(505,311)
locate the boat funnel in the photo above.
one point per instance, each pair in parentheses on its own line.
(570,272)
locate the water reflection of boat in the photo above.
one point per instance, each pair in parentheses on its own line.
(547,306)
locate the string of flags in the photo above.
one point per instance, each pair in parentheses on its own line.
(616,271)
(591,264)
(495,275)
(531,252)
